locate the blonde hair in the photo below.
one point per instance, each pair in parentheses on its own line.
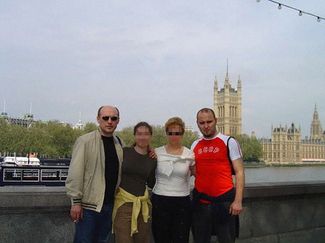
(175,121)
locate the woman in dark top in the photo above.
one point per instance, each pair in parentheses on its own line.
(132,204)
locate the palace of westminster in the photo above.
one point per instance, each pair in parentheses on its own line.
(285,144)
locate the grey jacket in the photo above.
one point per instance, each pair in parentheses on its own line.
(85,184)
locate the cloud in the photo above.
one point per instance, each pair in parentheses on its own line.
(155,60)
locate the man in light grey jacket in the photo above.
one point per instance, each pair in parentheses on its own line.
(94,174)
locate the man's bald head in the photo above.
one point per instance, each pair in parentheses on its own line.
(109,107)
(108,118)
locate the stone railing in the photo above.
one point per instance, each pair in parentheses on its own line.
(284,213)
(273,213)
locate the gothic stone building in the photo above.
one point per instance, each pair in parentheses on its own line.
(286,144)
(227,107)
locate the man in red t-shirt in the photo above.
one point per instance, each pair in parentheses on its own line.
(217,203)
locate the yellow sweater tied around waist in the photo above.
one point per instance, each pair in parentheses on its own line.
(139,204)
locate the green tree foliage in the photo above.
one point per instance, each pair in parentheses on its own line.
(89,127)
(126,134)
(49,139)
(189,137)
(251,148)
(159,136)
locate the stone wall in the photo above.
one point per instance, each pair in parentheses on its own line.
(284,213)
(34,214)
(273,213)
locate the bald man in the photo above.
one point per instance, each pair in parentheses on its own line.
(94,174)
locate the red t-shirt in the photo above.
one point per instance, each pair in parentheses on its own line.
(213,172)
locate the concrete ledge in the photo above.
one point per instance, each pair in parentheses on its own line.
(33,197)
(273,212)
(262,190)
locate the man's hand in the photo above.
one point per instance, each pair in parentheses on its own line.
(76,213)
(235,208)
(193,170)
(152,153)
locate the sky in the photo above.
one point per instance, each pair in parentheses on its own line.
(158,59)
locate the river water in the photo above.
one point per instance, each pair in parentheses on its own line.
(285,174)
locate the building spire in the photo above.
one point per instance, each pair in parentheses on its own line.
(315,116)
(239,83)
(215,83)
(227,77)
(227,84)
(227,67)
(316,127)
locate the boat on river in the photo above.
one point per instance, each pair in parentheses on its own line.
(20,161)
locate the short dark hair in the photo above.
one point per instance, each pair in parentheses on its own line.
(142,124)
(206,110)
(100,108)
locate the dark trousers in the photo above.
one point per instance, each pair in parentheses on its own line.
(94,227)
(171,219)
(208,219)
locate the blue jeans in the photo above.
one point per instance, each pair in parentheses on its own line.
(94,226)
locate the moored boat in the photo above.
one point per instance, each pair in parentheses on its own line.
(20,161)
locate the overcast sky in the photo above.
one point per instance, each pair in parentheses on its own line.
(157,59)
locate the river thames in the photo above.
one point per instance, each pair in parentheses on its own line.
(285,174)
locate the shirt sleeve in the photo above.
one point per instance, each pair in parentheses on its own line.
(194,144)
(192,156)
(74,181)
(234,149)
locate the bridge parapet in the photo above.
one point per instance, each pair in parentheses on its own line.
(273,213)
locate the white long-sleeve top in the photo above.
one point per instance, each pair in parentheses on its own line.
(173,173)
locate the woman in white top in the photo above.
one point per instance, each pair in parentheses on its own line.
(171,204)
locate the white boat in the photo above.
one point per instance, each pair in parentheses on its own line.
(20,161)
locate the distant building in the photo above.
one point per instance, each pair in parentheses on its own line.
(26,121)
(286,144)
(79,125)
(228,107)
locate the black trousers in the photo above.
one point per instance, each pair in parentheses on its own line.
(171,219)
(214,218)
